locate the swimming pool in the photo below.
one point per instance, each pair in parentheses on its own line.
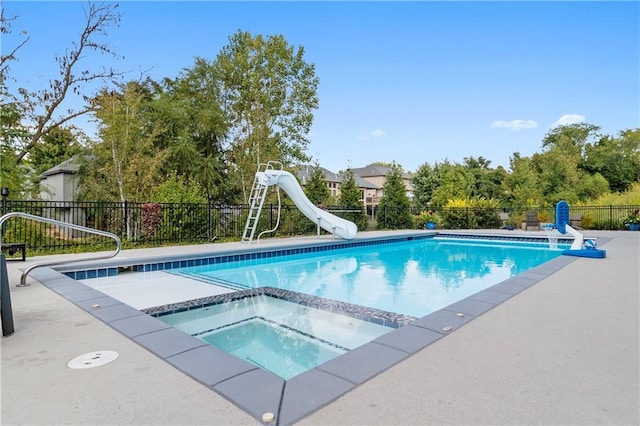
(253,389)
(414,277)
(408,278)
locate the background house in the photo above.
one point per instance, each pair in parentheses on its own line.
(377,175)
(60,184)
(368,190)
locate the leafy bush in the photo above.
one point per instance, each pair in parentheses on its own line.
(426,216)
(456,214)
(151,218)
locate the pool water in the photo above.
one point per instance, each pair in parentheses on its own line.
(414,277)
(279,336)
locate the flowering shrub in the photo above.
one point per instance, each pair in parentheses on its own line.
(151,218)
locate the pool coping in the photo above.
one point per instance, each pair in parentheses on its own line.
(256,391)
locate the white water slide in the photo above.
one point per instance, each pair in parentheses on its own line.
(285,180)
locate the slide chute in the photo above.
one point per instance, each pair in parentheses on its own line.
(268,176)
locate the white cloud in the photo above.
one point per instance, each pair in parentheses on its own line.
(568,119)
(514,124)
(375,134)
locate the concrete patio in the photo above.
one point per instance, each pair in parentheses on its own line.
(564,351)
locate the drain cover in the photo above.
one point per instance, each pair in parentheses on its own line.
(93,359)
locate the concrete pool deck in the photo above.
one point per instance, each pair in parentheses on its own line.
(564,351)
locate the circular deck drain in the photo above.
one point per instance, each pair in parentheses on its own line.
(93,359)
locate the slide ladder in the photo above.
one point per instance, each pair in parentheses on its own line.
(256,200)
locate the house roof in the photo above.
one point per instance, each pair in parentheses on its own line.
(373,170)
(69,166)
(305,171)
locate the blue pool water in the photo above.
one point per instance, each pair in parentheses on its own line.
(281,337)
(414,277)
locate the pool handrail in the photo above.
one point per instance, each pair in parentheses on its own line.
(23,278)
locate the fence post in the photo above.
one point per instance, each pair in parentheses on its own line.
(125,217)
(5,194)
(610,216)
(6,312)
(466,215)
(209,233)
(271,216)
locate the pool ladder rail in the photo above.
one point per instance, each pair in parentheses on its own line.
(5,297)
(256,199)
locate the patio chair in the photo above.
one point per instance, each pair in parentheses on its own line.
(504,217)
(531,221)
(574,221)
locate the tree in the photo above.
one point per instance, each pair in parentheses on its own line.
(269,94)
(316,188)
(616,159)
(44,107)
(522,184)
(125,165)
(177,189)
(486,181)
(12,175)
(571,138)
(57,145)
(425,181)
(12,130)
(194,128)
(351,198)
(394,211)
(455,181)
(349,193)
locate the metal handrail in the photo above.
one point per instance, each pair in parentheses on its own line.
(23,278)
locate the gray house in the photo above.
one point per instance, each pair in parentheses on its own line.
(59,183)
(334,180)
(59,186)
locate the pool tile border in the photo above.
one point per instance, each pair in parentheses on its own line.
(251,253)
(257,391)
(377,316)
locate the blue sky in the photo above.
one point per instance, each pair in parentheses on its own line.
(410,82)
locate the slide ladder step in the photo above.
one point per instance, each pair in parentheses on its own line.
(256,201)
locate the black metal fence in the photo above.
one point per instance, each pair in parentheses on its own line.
(153,224)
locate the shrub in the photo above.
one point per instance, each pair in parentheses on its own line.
(151,218)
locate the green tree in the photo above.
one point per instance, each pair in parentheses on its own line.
(351,198)
(269,94)
(182,208)
(616,159)
(57,145)
(125,165)
(572,138)
(558,174)
(193,129)
(316,188)
(487,182)
(455,181)
(559,165)
(12,175)
(178,189)
(13,132)
(425,181)
(394,210)
(522,184)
